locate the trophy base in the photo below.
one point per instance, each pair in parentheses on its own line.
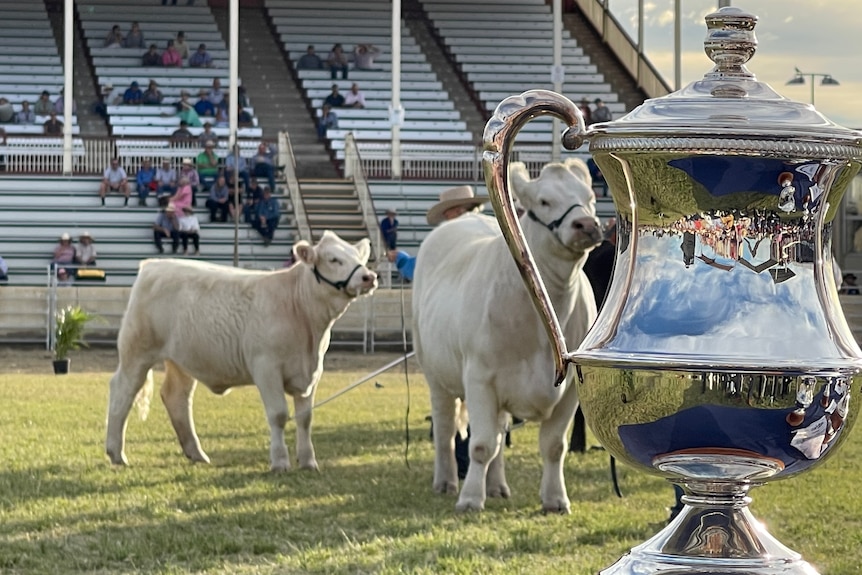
(715,533)
(711,537)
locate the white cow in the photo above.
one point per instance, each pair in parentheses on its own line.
(478,337)
(227,327)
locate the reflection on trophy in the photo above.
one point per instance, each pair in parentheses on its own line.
(721,358)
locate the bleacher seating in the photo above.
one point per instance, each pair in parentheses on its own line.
(30,61)
(119,67)
(429,112)
(472,32)
(35,211)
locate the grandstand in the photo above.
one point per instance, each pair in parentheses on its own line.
(439,133)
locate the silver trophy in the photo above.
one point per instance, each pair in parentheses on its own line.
(721,358)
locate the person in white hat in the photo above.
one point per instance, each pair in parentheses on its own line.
(453,203)
(85,251)
(64,251)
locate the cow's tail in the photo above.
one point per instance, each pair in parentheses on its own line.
(462,418)
(145,397)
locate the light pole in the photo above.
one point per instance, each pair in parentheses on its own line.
(800,76)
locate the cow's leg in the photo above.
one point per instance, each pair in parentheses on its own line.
(270,384)
(303,408)
(126,382)
(485,438)
(176,392)
(443,422)
(552,446)
(495,482)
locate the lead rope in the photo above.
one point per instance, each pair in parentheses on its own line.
(406,380)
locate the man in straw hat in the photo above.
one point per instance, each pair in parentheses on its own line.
(453,202)
(85,251)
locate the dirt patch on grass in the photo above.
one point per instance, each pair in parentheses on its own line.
(36,359)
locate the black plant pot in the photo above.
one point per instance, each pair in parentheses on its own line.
(61,366)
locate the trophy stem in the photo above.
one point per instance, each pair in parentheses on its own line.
(714,534)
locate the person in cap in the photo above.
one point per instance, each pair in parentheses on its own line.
(145,181)
(166,226)
(114,179)
(267,216)
(85,251)
(189,228)
(389,229)
(201,58)
(602,113)
(64,251)
(166,179)
(133,96)
(65,277)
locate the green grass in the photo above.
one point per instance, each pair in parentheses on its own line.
(65,509)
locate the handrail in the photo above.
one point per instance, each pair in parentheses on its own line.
(288,160)
(624,48)
(353,169)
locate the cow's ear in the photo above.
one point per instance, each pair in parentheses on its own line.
(519,178)
(363,246)
(304,252)
(580,170)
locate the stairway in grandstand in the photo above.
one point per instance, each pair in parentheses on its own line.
(333,205)
(35,211)
(30,62)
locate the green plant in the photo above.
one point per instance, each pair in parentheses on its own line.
(71,322)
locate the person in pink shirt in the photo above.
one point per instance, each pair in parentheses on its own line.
(183,197)
(171,57)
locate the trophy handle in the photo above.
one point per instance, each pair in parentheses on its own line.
(500,131)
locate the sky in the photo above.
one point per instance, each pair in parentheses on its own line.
(816,36)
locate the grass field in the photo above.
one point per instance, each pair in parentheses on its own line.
(65,509)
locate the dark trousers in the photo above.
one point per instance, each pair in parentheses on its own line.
(229,176)
(195,237)
(218,211)
(267,230)
(333,70)
(578,443)
(266,171)
(159,235)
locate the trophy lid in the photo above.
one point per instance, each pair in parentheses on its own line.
(729,102)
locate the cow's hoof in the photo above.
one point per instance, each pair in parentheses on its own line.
(199,457)
(280,467)
(501,490)
(469,506)
(446,487)
(312,466)
(558,508)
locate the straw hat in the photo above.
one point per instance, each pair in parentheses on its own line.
(187,162)
(86,234)
(453,198)
(65,237)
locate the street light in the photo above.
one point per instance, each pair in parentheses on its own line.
(799,78)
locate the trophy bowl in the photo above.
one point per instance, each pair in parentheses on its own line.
(721,358)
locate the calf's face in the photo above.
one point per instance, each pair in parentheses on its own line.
(562,200)
(339,263)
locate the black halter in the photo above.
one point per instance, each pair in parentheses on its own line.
(556,223)
(340,286)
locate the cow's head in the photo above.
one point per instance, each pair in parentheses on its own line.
(338,263)
(562,200)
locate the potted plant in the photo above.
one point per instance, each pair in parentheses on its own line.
(69,335)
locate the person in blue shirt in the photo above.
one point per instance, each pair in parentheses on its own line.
(404,263)
(203,106)
(267,216)
(133,96)
(235,164)
(389,229)
(146,182)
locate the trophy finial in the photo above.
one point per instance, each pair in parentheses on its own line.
(730,42)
